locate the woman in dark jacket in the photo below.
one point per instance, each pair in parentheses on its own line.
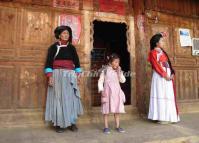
(63,104)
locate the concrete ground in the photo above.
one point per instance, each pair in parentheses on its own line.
(137,131)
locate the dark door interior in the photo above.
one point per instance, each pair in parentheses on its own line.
(109,38)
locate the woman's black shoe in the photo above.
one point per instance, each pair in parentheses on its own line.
(73,128)
(59,130)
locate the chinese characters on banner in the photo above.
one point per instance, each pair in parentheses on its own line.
(114,6)
(71,4)
(185,38)
(74,22)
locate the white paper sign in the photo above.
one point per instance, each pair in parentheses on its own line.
(185,38)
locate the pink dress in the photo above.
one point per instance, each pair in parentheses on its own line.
(113,97)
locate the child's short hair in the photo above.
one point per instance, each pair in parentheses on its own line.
(112,57)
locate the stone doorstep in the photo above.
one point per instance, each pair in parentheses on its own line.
(35,117)
(32,118)
(188,107)
(96,115)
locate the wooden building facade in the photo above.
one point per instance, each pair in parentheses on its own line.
(26,31)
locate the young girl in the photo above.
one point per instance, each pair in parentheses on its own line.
(163,106)
(63,104)
(113,98)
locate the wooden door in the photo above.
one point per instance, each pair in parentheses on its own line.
(25,35)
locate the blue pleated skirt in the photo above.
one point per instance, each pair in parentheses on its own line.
(63,104)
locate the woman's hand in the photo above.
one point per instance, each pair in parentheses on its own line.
(50,81)
(168,78)
(172,77)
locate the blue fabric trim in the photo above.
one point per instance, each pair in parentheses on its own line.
(78,70)
(47,70)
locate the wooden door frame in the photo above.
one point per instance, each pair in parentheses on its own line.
(89,18)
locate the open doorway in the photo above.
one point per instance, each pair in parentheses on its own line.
(109,38)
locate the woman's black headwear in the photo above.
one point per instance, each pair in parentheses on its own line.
(153,43)
(62,28)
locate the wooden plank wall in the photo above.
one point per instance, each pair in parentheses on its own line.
(172,15)
(186,65)
(169,16)
(26,32)
(23,46)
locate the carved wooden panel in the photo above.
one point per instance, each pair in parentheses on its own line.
(186,61)
(168,46)
(36,28)
(32,89)
(36,34)
(8,24)
(33,55)
(187,84)
(6,86)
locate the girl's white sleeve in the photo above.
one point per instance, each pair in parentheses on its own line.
(122,77)
(101,82)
